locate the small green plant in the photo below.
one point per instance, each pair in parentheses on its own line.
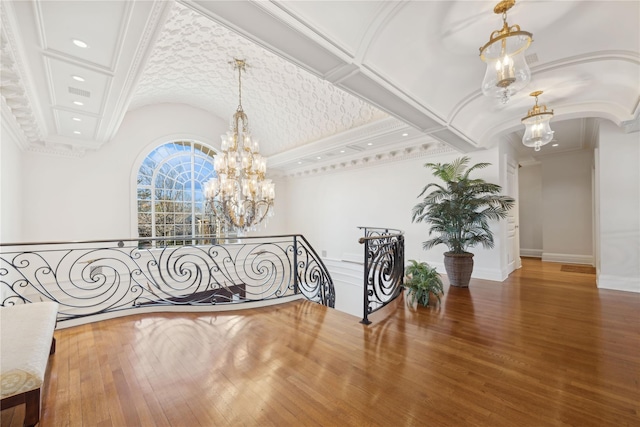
(421,281)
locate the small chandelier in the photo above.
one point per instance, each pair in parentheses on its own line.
(538,132)
(507,70)
(240,196)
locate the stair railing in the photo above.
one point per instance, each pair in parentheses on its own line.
(383,268)
(91,278)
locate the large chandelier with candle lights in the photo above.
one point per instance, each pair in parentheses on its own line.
(240,195)
(537,130)
(507,69)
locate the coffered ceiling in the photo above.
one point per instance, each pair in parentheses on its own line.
(330,84)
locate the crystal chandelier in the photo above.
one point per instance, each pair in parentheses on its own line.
(507,70)
(537,132)
(240,196)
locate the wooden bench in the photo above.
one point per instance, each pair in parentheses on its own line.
(26,341)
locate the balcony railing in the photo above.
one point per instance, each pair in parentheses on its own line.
(383,268)
(105,276)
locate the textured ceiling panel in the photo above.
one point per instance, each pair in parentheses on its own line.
(287,106)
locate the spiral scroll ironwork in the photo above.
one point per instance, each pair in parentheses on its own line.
(383,268)
(97,277)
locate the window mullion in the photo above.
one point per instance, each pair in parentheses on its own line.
(153,206)
(168,167)
(193,192)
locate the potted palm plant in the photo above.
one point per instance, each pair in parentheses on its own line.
(422,281)
(459,213)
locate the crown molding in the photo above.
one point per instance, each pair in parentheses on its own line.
(379,129)
(422,147)
(10,126)
(58,151)
(14,89)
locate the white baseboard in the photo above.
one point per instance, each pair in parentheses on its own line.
(533,253)
(618,283)
(493,274)
(353,257)
(568,258)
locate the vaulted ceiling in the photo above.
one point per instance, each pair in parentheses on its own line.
(328,81)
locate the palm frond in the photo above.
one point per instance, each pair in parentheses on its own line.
(459,212)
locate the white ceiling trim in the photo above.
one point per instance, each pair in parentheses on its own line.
(380,129)
(556,66)
(139,24)
(389,10)
(297,23)
(190,64)
(11,126)
(304,51)
(48,50)
(320,56)
(15,81)
(58,150)
(600,110)
(604,55)
(636,109)
(386,81)
(107,71)
(153,28)
(423,147)
(356,46)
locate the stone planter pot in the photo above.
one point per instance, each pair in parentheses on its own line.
(459,268)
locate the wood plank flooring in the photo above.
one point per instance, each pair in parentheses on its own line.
(544,348)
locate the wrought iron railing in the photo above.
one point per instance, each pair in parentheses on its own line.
(383,268)
(104,276)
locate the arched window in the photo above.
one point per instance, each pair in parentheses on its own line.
(170,192)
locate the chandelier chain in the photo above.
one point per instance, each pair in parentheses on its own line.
(240,65)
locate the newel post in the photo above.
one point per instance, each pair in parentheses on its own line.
(365,309)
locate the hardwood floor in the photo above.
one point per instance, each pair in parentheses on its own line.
(544,348)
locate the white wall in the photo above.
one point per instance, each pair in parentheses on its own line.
(530,199)
(277,224)
(10,189)
(328,208)
(567,207)
(92,197)
(618,177)
(556,208)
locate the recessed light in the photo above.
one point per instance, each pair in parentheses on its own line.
(342,151)
(78,78)
(77,132)
(405,134)
(80,43)
(78,103)
(554,145)
(319,158)
(370,143)
(299,163)
(76,119)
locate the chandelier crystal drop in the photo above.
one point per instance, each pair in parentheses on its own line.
(240,195)
(537,130)
(507,69)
